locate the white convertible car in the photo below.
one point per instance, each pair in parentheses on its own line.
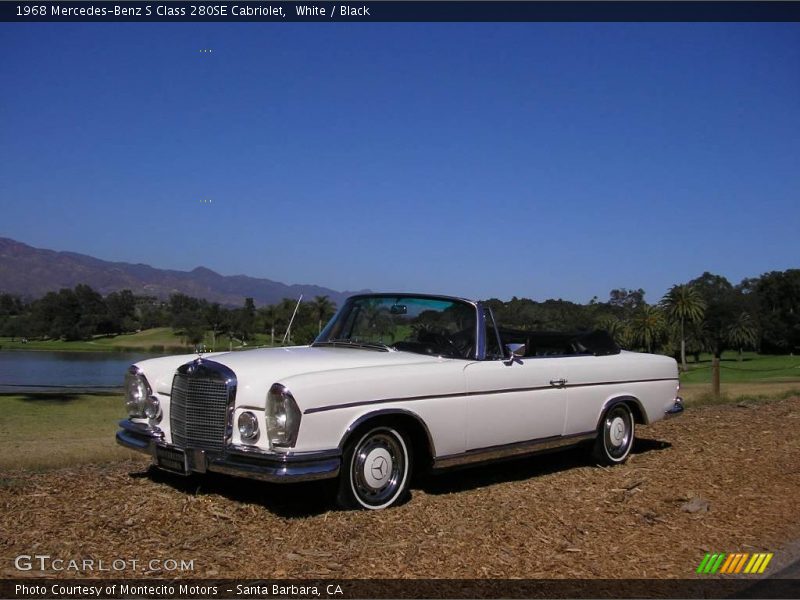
(394,383)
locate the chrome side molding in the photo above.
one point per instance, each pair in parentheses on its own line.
(513,450)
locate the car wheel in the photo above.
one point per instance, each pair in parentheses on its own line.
(376,470)
(615,435)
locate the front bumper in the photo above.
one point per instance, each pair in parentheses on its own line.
(675,410)
(237,461)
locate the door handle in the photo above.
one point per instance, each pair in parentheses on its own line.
(558,382)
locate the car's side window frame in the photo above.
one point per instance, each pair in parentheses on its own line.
(488,327)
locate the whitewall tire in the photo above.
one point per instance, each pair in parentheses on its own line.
(615,435)
(376,470)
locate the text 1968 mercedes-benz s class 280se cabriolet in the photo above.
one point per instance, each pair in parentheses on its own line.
(394,382)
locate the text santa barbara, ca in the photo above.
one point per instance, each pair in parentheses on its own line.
(172,590)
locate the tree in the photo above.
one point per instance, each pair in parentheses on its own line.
(743,332)
(778,309)
(247,319)
(286,309)
(723,304)
(629,300)
(12,320)
(151,312)
(647,326)
(10,305)
(186,317)
(216,321)
(92,310)
(613,326)
(121,312)
(17,326)
(270,315)
(242,321)
(323,310)
(56,315)
(682,304)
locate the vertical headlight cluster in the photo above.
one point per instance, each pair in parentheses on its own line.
(283,417)
(139,398)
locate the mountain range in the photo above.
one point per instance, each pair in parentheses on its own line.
(32,272)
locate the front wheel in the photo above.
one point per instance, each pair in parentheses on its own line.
(614,436)
(376,470)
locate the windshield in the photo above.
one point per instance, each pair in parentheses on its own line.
(423,325)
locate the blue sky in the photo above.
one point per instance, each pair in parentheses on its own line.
(484,160)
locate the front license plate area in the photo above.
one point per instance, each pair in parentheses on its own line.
(171,459)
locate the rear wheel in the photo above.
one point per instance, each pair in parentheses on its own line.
(376,469)
(615,436)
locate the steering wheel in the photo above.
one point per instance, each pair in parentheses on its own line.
(445,341)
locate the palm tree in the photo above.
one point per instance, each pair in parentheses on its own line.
(647,326)
(323,308)
(613,326)
(683,303)
(742,332)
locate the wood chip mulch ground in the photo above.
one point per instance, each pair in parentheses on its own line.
(718,479)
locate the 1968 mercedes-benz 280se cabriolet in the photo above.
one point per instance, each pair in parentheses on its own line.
(394,382)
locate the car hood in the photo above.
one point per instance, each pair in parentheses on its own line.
(256,370)
(283,363)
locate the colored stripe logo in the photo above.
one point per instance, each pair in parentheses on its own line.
(737,562)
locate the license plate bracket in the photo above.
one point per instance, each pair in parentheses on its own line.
(172,459)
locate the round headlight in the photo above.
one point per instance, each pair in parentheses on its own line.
(152,407)
(248,426)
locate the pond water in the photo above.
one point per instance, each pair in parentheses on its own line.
(32,370)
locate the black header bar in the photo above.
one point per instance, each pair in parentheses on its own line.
(405,11)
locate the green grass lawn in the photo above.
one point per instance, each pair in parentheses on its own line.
(754,377)
(43,430)
(752,367)
(142,340)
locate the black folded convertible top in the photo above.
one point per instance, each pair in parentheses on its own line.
(556,343)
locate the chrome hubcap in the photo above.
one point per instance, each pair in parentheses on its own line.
(618,432)
(378,468)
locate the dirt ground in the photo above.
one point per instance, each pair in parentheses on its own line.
(718,479)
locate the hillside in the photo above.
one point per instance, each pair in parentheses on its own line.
(32,272)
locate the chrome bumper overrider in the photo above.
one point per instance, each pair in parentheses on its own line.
(675,409)
(237,461)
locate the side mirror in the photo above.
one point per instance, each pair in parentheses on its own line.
(515,351)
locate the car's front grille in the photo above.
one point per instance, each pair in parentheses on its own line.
(199,406)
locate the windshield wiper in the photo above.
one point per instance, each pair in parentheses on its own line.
(348,343)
